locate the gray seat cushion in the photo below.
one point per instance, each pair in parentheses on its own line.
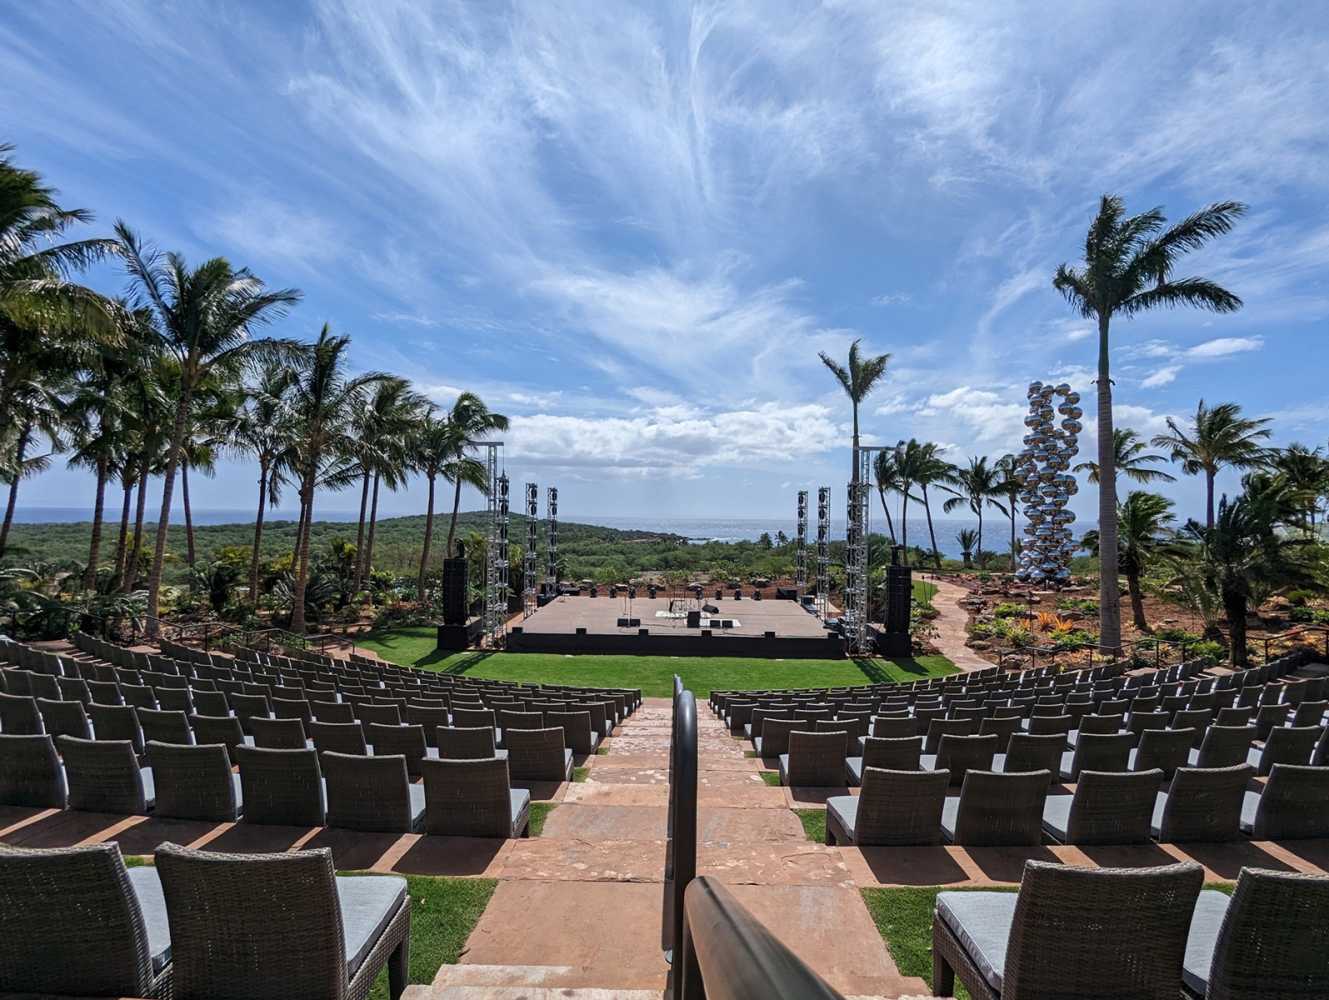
(1057,815)
(927,762)
(148,889)
(845,810)
(756,745)
(367,905)
(784,768)
(239,793)
(1253,756)
(1210,908)
(1250,805)
(521,809)
(1067,762)
(981,921)
(567,763)
(416,794)
(854,770)
(149,789)
(1156,821)
(950,810)
(999,763)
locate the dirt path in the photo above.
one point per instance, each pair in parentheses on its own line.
(950,624)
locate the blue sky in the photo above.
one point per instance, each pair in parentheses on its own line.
(632,227)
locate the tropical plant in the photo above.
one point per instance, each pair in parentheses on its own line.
(858,378)
(968,541)
(1010,485)
(1131,458)
(976,485)
(886,474)
(1144,536)
(1307,472)
(1219,437)
(437,447)
(921,465)
(1128,269)
(472,420)
(205,319)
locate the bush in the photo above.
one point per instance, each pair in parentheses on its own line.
(1208,649)
(1010,609)
(1175,634)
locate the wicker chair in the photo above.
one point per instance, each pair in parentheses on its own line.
(961,754)
(1107,808)
(19,715)
(1087,933)
(116,722)
(1165,749)
(468,718)
(74,922)
(332,711)
(292,708)
(138,695)
(262,926)
(195,783)
(889,754)
(1223,746)
(400,740)
(372,793)
(277,734)
(1284,745)
(30,772)
(814,760)
(1269,716)
(430,719)
(249,706)
(1293,806)
(476,743)
(1002,728)
(378,714)
(996,810)
(538,755)
(74,689)
(339,737)
(894,727)
(1031,752)
(895,809)
(1097,752)
(65,718)
(281,787)
(211,703)
(577,730)
(164,726)
(1045,725)
(104,776)
(1266,943)
(937,728)
(774,737)
(474,798)
(223,729)
(1106,724)
(1201,804)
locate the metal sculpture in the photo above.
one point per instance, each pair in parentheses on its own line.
(1044,468)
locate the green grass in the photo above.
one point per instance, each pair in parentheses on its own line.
(923,593)
(654,675)
(539,813)
(814,824)
(904,918)
(444,911)
(771,778)
(581,773)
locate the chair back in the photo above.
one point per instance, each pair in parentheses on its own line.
(775,735)
(1102,724)
(258,905)
(465,743)
(281,787)
(1000,810)
(116,722)
(894,727)
(536,754)
(19,715)
(1204,804)
(900,808)
(368,793)
(1112,807)
(1264,947)
(332,711)
(1165,749)
(30,772)
(892,754)
(1043,725)
(64,718)
(1128,925)
(962,754)
(380,714)
(193,782)
(1102,752)
(98,947)
(817,759)
(338,737)
(1034,752)
(1294,804)
(103,776)
(278,734)
(937,728)
(406,741)
(1286,745)
(468,798)
(467,718)
(577,734)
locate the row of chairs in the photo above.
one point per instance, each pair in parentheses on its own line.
(76,922)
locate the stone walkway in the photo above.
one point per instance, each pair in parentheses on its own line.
(950,624)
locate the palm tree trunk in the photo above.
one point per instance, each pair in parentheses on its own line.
(904,522)
(302,556)
(164,518)
(887,511)
(98,510)
(258,532)
(452,525)
(1208,499)
(369,541)
(360,531)
(1109,594)
(927,509)
(131,565)
(980,535)
(122,543)
(189,514)
(1234,606)
(19,451)
(1137,600)
(429,537)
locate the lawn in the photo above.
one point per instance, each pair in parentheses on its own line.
(415,646)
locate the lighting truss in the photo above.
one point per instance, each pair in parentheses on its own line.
(529,589)
(823,550)
(858,637)
(551,539)
(496,548)
(800,543)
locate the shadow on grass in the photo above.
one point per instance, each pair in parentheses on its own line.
(872,669)
(461,666)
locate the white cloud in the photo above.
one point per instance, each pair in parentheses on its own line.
(892,299)
(1222,347)
(1163,376)
(268,229)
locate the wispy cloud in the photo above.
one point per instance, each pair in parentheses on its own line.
(1222,347)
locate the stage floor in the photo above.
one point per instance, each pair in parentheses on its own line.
(599,616)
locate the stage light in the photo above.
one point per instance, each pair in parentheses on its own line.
(529,600)
(800,544)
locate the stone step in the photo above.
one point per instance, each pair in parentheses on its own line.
(524,993)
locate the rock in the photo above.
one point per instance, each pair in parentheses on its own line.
(978,645)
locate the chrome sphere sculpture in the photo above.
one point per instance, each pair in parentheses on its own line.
(1048,485)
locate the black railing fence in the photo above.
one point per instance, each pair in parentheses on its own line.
(681,838)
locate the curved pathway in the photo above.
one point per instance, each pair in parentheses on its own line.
(950,624)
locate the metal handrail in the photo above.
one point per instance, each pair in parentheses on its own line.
(681,842)
(728,954)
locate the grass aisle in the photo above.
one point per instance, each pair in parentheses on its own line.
(415,646)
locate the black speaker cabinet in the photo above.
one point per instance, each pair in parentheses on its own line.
(899,589)
(694,619)
(454,591)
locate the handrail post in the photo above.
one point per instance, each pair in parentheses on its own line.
(681,846)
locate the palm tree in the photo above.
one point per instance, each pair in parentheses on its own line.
(383,427)
(967,538)
(858,379)
(920,464)
(1307,472)
(205,318)
(1245,552)
(1128,269)
(887,476)
(1220,437)
(472,420)
(976,484)
(1011,485)
(264,429)
(323,402)
(1130,457)
(438,449)
(1144,535)
(37,411)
